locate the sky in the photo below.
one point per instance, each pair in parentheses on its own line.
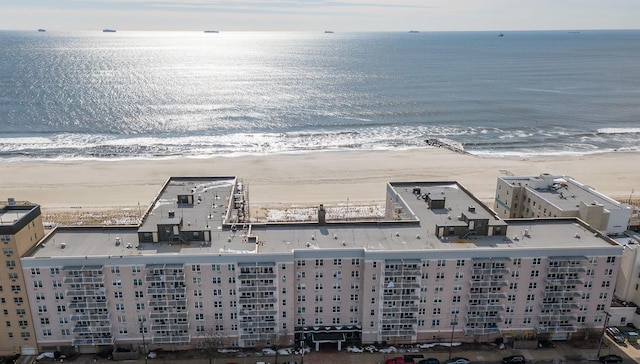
(318,15)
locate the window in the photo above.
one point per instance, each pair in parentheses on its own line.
(116,282)
(195,267)
(115,269)
(34,271)
(37,284)
(139,294)
(62,308)
(117,294)
(517,262)
(535,273)
(460,263)
(528,309)
(119,306)
(441,262)
(531,297)
(337,261)
(436,311)
(608,272)
(63,320)
(533,285)
(606,283)
(319,262)
(137,282)
(139,306)
(44,321)
(611,259)
(42,308)
(355,274)
(537,261)
(199,316)
(135,269)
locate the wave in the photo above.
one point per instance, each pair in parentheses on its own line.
(619,131)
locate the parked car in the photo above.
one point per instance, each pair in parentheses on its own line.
(546,344)
(429,361)
(458,360)
(513,359)
(611,359)
(615,334)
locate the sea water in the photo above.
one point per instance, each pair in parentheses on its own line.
(124,95)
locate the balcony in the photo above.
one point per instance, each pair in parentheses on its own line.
(402,273)
(559,305)
(488,283)
(91,329)
(166,290)
(94,341)
(487,295)
(567,269)
(170,327)
(551,317)
(257,276)
(486,307)
(398,332)
(91,317)
(490,271)
(561,294)
(483,319)
(563,282)
(164,278)
(83,280)
(88,305)
(257,289)
(86,292)
(257,324)
(168,315)
(167,303)
(171,339)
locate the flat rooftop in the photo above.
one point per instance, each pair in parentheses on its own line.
(566,193)
(412,230)
(9,216)
(210,205)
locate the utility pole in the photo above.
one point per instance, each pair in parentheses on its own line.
(144,343)
(604,328)
(453,327)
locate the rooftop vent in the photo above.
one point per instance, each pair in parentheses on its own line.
(472,209)
(63,245)
(172,214)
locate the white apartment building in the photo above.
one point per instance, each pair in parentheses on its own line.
(197,271)
(553,196)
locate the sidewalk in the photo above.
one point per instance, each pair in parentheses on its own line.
(563,353)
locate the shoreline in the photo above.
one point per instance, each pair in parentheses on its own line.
(301,179)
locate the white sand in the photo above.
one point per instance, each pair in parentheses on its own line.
(304,179)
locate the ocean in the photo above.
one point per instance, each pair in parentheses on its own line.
(142,95)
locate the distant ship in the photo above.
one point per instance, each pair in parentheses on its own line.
(500,35)
(212,31)
(108,30)
(42,30)
(414,31)
(328,31)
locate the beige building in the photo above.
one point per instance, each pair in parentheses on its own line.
(552,196)
(21,228)
(198,273)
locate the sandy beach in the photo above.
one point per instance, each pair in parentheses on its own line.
(302,179)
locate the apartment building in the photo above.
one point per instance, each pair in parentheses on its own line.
(549,195)
(197,272)
(21,228)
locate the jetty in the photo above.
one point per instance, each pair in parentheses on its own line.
(437,143)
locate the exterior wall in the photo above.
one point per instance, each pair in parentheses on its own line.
(520,293)
(517,201)
(16,239)
(628,282)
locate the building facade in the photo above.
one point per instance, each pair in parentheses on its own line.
(21,228)
(197,273)
(553,196)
